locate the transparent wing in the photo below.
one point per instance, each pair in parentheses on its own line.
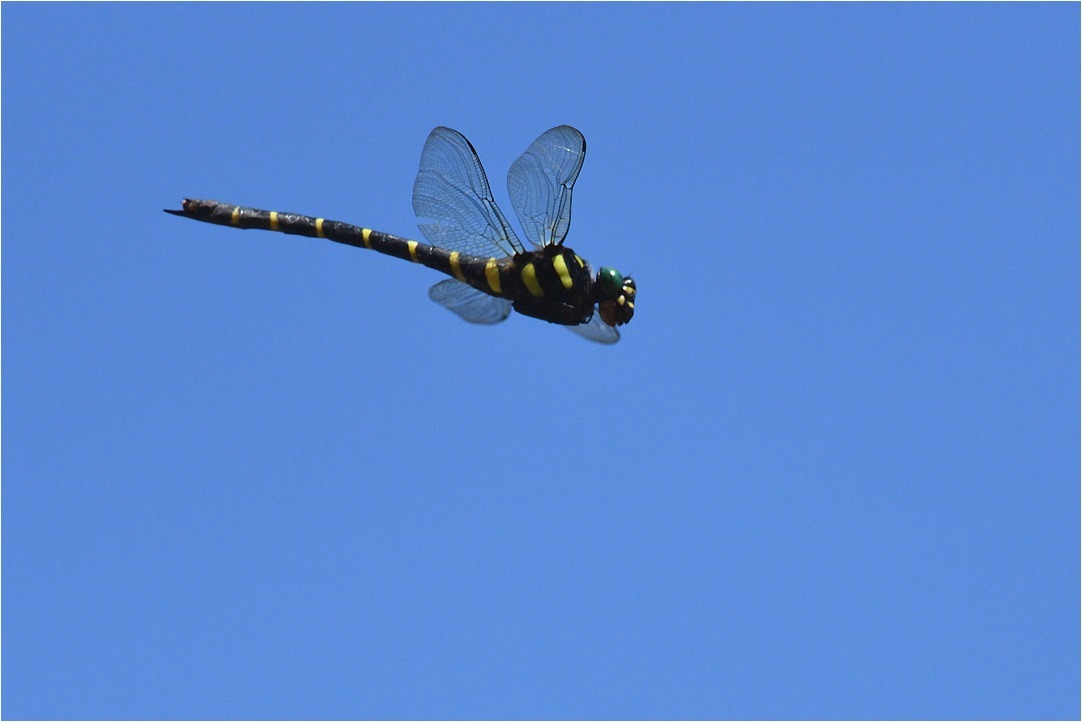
(452,191)
(469,303)
(540,183)
(596,330)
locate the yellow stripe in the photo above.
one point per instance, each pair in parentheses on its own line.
(561,270)
(365,233)
(412,245)
(492,274)
(455,268)
(274,221)
(529,278)
(319,228)
(582,263)
(236,215)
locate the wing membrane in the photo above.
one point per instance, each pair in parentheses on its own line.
(451,189)
(469,303)
(596,330)
(540,183)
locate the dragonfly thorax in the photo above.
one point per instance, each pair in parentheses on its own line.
(552,283)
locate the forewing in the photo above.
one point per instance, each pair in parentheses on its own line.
(596,330)
(452,191)
(540,183)
(469,303)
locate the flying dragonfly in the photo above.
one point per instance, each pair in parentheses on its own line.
(471,240)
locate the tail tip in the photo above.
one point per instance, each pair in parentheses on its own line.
(185,208)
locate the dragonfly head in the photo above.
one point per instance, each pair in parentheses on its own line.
(615,296)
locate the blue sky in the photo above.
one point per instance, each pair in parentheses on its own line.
(831,470)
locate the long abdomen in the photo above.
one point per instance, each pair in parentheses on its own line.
(481,273)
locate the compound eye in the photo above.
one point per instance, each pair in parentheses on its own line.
(611,282)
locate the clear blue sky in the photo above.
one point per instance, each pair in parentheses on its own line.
(831,470)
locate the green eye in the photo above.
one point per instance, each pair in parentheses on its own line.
(611,282)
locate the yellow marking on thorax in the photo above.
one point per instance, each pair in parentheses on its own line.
(561,270)
(412,245)
(492,275)
(274,220)
(365,233)
(235,217)
(529,279)
(319,228)
(582,263)
(456,269)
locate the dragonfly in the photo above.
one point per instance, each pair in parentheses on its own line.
(470,239)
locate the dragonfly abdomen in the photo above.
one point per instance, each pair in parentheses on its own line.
(481,273)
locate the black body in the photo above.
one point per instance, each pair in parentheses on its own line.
(471,240)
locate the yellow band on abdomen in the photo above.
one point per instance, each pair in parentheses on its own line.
(274,220)
(412,245)
(365,233)
(235,217)
(492,275)
(456,269)
(319,228)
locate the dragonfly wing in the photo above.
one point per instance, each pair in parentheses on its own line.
(540,183)
(596,330)
(469,303)
(452,191)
